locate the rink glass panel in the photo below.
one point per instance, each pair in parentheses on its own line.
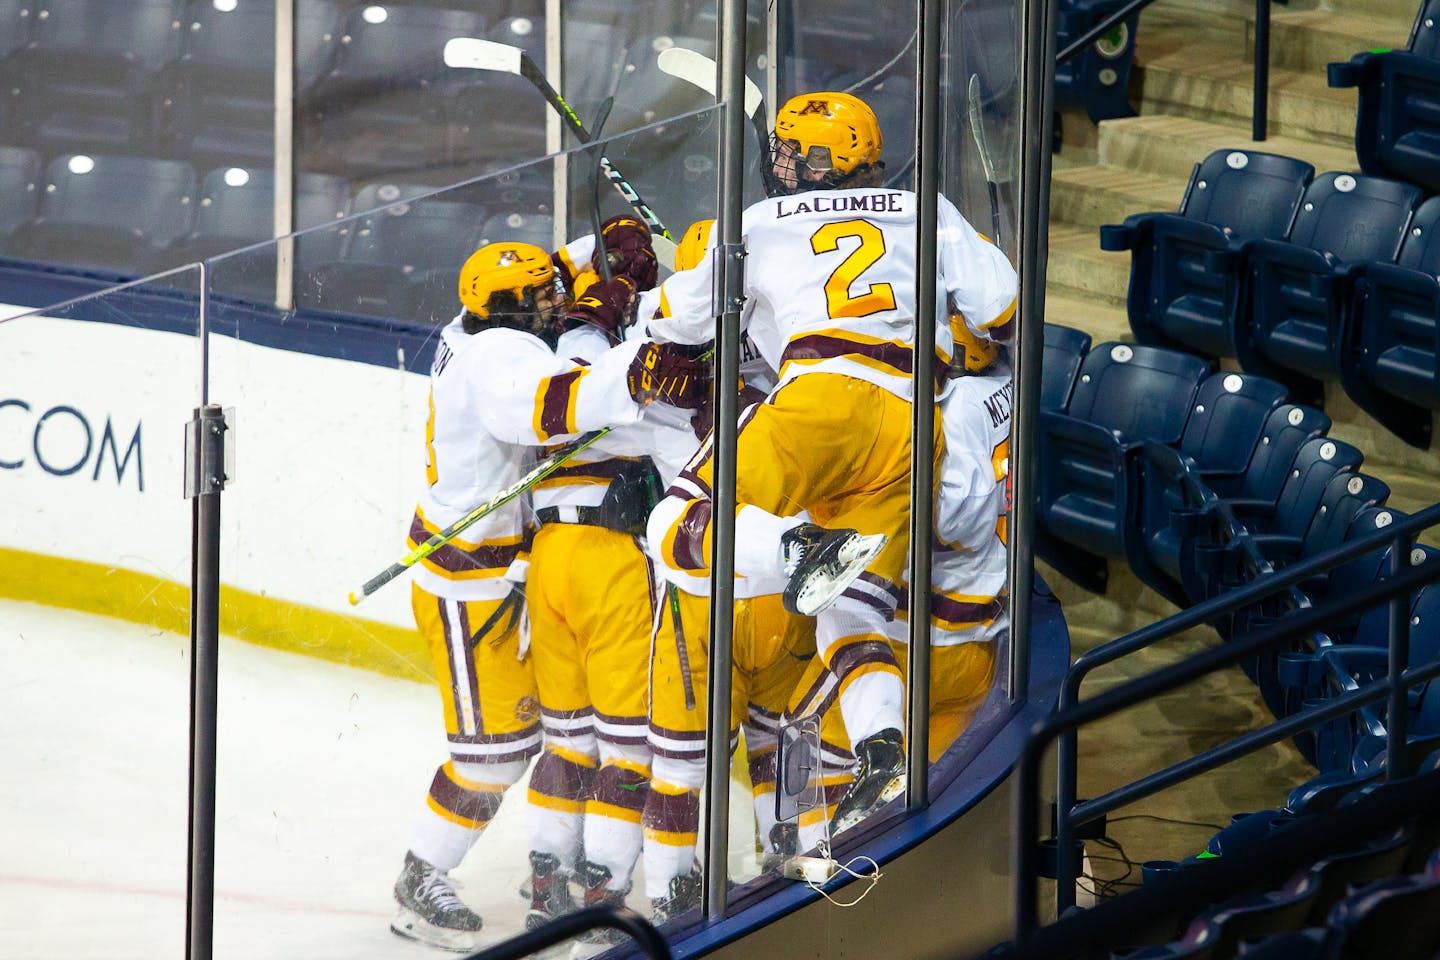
(333,398)
(95,612)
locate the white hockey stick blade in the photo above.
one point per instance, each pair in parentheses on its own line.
(472,53)
(664,249)
(697,69)
(977,128)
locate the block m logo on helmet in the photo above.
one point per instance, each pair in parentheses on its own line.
(821,107)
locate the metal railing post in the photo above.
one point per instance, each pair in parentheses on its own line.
(1261,110)
(729,289)
(1397,725)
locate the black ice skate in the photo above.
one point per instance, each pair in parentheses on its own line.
(430,910)
(822,563)
(879,777)
(549,890)
(684,896)
(597,894)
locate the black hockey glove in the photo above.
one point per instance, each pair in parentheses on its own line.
(629,251)
(674,373)
(606,305)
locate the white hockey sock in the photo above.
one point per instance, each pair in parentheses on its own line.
(757,542)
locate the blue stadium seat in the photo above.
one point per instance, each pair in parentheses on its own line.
(109,213)
(1125,393)
(1097,78)
(1344,497)
(17,20)
(1389,919)
(1065,348)
(1258,915)
(1187,273)
(1389,350)
(1379,858)
(1288,428)
(536,228)
(237,209)
(402,261)
(1301,286)
(1315,464)
(1397,120)
(216,102)
(20,171)
(382,104)
(84,80)
(1228,418)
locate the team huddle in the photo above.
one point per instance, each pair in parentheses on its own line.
(574,623)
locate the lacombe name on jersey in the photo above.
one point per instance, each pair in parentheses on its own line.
(840,203)
(998,404)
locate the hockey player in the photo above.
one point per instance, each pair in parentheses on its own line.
(591,601)
(771,648)
(483,418)
(829,287)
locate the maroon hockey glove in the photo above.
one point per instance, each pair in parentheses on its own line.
(673,373)
(605,305)
(628,249)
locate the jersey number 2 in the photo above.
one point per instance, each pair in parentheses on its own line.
(876,296)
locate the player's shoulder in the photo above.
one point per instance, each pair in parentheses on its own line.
(875,202)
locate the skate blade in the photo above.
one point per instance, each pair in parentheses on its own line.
(411,926)
(856,555)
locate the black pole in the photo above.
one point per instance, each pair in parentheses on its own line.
(1261,109)
(1397,720)
(729,260)
(206,463)
(922,420)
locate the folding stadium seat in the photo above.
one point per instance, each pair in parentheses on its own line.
(1065,347)
(1307,944)
(216,102)
(108,213)
(1187,271)
(1397,121)
(1389,349)
(1388,920)
(1095,79)
(1257,915)
(1225,425)
(17,19)
(1370,861)
(1301,286)
(83,82)
(381,106)
(1125,394)
(1344,497)
(237,209)
(402,261)
(536,228)
(20,171)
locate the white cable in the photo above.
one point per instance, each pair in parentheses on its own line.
(873,877)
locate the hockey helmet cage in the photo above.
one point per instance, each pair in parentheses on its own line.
(508,267)
(833,134)
(692,246)
(976,354)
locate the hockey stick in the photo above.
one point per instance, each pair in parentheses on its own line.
(699,70)
(977,129)
(473,53)
(537,473)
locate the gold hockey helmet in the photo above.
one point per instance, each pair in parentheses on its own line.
(508,267)
(975,354)
(833,134)
(693,244)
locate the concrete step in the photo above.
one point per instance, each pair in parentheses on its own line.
(1309,39)
(1095,195)
(1080,270)
(1102,321)
(1171,146)
(1208,81)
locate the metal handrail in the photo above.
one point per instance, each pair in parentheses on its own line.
(1259,124)
(1400,535)
(1069,719)
(571,925)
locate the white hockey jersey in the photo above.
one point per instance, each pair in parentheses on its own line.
(968,595)
(494,396)
(830,285)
